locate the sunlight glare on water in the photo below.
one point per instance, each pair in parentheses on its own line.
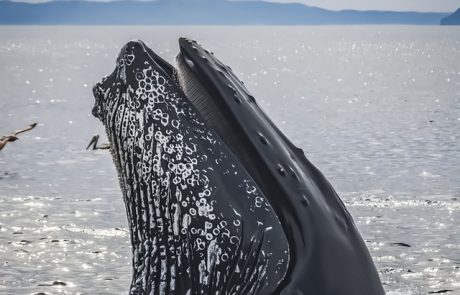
(376,108)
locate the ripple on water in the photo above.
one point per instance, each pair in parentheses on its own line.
(343,98)
(416,251)
(53,246)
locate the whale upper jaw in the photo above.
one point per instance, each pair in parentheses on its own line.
(327,253)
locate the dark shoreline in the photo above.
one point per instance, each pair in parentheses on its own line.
(200,12)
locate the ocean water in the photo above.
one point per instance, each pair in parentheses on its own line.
(376,108)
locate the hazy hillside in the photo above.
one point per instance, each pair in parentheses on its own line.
(453,19)
(204,12)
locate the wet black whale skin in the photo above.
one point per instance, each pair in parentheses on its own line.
(167,257)
(327,253)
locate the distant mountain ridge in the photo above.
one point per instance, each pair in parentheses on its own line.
(198,12)
(453,19)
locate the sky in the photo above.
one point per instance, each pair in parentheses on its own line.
(399,5)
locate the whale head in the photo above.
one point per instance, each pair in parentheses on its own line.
(218,199)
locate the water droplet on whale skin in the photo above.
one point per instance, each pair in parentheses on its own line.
(281,170)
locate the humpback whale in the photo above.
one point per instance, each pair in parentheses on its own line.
(218,199)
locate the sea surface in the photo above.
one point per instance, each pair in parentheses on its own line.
(375,108)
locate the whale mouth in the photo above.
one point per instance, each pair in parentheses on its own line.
(218,96)
(213,102)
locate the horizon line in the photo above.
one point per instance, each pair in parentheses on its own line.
(281,3)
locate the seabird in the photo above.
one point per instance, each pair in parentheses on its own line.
(93,144)
(13,136)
